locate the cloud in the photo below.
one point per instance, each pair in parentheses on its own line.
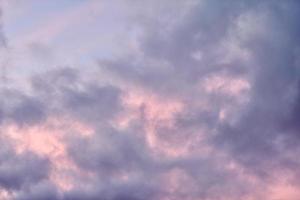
(3,41)
(253,41)
(274,85)
(17,170)
(207,108)
(42,191)
(29,111)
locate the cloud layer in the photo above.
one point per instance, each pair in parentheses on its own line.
(199,101)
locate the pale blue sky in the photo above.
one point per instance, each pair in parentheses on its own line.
(45,34)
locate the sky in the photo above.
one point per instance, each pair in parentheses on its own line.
(149,100)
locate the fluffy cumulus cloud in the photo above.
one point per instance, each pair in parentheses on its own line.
(161,100)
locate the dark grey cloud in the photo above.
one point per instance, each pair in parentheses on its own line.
(28,111)
(3,40)
(43,190)
(136,190)
(64,90)
(268,31)
(111,151)
(21,108)
(1,115)
(20,170)
(274,89)
(94,103)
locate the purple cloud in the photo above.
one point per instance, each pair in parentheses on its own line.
(201,102)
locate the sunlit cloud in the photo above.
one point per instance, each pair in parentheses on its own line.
(149,100)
